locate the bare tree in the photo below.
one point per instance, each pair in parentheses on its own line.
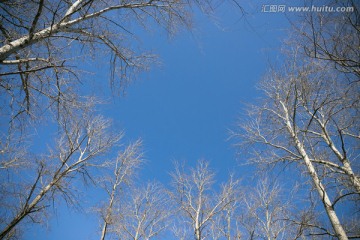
(332,36)
(144,214)
(225,225)
(126,163)
(293,124)
(333,107)
(266,213)
(82,141)
(44,41)
(197,200)
(315,106)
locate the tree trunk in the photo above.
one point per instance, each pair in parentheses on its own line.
(353,178)
(197,234)
(335,222)
(26,210)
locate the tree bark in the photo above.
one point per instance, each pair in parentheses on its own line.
(335,222)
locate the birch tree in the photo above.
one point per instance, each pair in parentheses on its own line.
(332,36)
(44,42)
(126,163)
(226,225)
(47,178)
(304,110)
(145,214)
(266,213)
(309,115)
(197,201)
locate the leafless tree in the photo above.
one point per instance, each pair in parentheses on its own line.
(332,36)
(309,115)
(305,109)
(266,213)
(126,163)
(225,225)
(44,41)
(144,214)
(197,200)
(29,190)
(331,39)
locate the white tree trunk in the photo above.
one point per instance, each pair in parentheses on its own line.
(335,222)
(197,234)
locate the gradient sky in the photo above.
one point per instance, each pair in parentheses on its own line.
(183,108)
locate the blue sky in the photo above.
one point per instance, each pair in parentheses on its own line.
(183,108)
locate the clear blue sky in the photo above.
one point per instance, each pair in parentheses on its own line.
(183,109)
